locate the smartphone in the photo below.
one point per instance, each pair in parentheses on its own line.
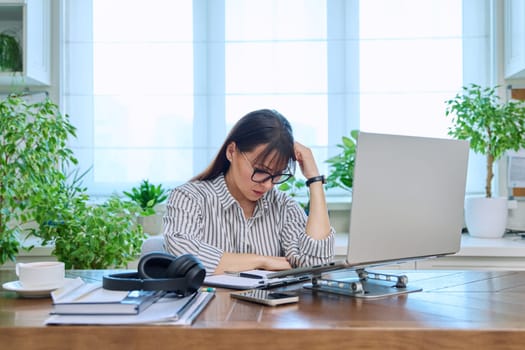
(266,297)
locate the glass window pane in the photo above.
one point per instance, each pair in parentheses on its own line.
(276,57)
(417,114)
(143,121)
(142,106)
(161,69)
(139,21)
(306,113)
(387,19)
(276,67)
(122,168)
(411,62)
(256,20)
(411,65)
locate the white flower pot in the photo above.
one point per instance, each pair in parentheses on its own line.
(151,224)
(486,217)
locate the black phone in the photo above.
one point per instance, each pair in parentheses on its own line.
(266,297)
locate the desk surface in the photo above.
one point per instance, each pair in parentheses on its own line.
(468,309)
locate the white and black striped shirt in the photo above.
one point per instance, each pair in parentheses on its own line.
(205,220)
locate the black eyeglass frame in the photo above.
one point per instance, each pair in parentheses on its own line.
(282,177)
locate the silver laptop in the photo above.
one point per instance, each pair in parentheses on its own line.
(407,201)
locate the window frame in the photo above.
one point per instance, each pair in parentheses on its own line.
(209,123)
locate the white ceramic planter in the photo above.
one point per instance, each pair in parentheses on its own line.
(486,217)
(152,224)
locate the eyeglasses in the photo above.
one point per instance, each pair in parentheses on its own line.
(261,176)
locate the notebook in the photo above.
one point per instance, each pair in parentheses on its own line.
(407,201)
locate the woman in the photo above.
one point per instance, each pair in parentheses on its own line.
(233,219)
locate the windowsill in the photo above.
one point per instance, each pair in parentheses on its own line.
(339,203)
(38,253)
(508,246)
(339,206)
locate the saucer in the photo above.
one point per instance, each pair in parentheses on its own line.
(38,292)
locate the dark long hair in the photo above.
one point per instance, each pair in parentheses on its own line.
(264,126)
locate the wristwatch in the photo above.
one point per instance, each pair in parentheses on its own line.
(315,179)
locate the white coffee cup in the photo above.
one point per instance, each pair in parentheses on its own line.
(35,275)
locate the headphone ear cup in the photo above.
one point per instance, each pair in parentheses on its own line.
(155,265)
(189,267)
(196,276)
(181,266)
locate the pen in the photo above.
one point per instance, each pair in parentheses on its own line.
(202,304)
(244,274)
(207,289)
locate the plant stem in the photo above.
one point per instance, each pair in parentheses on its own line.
(490,175)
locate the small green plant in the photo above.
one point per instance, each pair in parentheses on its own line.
(10,53)
(147,195)
(491,127)
(342,165)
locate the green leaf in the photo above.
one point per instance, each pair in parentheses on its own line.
(147,195)
(342,164)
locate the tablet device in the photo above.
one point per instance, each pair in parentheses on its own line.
(266,297)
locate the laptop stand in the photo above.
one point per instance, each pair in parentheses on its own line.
(368,285)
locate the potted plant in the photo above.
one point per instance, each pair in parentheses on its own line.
(10,53)
(492,128)
(33,143)
(148,196)
(342,165)
(38,198)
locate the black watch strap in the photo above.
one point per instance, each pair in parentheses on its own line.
(315,179)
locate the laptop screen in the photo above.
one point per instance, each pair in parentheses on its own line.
(407,199)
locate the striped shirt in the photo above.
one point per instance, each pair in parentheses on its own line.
(205,220)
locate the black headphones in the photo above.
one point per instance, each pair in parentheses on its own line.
(161,271)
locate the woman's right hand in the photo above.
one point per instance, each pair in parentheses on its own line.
(245,262)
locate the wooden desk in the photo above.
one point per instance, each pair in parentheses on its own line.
(457,309)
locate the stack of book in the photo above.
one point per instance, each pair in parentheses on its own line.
(88,303)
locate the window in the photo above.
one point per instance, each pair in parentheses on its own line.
(154,89)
